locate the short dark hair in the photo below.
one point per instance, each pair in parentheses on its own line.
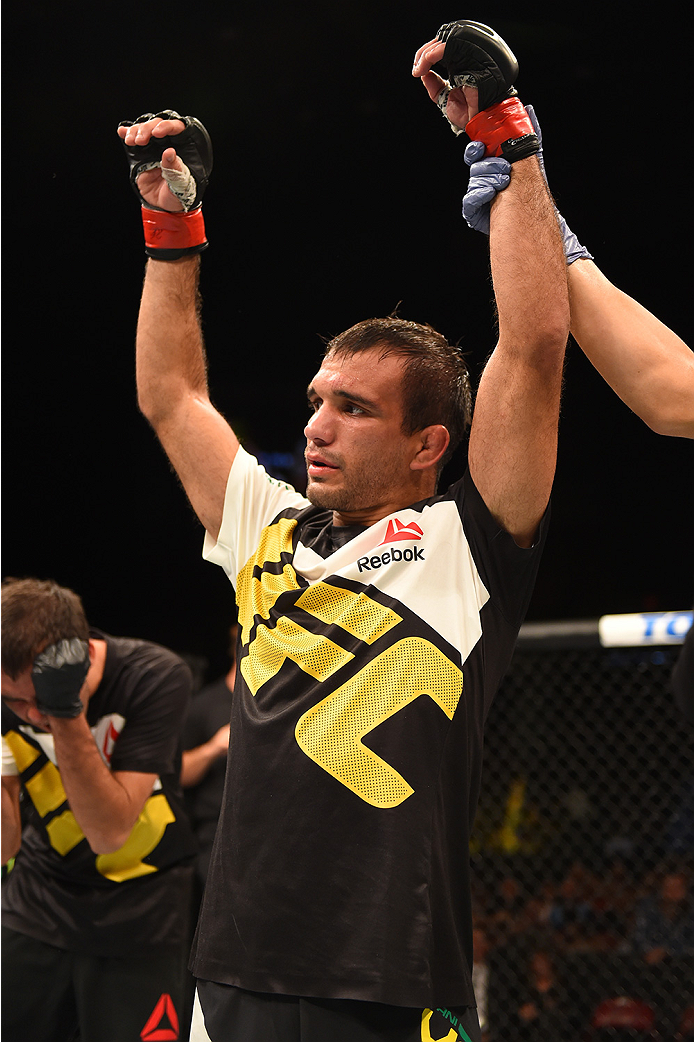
(436,382)
(36,613)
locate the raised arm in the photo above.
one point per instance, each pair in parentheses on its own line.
(172,387)
(513,439)
(643,361)
(171,367)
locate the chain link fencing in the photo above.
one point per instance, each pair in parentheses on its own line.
(583,846)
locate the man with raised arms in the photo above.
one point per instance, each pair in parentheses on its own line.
(376,616)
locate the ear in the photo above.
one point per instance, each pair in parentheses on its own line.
(97,660)
(433,442)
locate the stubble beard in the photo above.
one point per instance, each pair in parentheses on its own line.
(340,499)
(356,495)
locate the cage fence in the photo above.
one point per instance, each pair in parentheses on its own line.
(583,845)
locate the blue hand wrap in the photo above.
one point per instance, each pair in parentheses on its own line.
(489,176)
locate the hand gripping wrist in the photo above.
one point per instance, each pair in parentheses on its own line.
(492,175)
(169,236)
(488,177)
(506,130)
(59,672)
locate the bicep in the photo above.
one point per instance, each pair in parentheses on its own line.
(513,439)
(201,447)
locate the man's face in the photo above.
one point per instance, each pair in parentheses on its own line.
(20,697)
(357,456)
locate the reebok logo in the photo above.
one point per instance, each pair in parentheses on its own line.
(162,1025)
(397,532)
(367,563)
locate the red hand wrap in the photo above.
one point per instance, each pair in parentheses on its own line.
(173,231)
(500,124)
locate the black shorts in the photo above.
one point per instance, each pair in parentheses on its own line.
(234,1015)
(50,995)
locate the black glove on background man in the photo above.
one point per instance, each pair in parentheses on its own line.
(59,672)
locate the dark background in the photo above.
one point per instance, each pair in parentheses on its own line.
(335,197)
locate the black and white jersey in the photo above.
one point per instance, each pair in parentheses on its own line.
(368,660)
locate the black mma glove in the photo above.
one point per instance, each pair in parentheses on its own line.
(168,235)
(59,672)
(476,56)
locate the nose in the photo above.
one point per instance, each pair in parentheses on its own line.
(317,430)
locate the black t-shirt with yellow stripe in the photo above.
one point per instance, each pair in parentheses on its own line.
(129,901)
(367,665)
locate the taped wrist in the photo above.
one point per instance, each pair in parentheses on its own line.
(169,236)
(506,130)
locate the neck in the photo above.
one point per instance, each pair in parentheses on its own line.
(372,515)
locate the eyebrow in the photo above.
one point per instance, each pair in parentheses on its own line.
(348,395)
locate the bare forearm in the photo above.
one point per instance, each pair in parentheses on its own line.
(528,266)
(104,809)
(170,353)
(644,362)
(512,448)
(11,819)
(172,387)
(196,763)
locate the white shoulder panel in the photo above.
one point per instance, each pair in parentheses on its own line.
(423,559)
(251,501)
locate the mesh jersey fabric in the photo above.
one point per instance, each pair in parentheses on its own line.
(365,672)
